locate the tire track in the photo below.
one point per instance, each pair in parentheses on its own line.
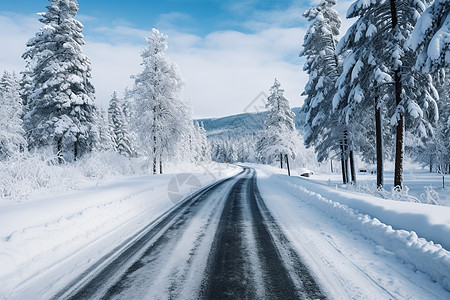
(229,275)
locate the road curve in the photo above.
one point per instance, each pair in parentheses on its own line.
(220,243)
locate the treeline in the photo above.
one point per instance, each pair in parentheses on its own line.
(52,107)
(278,142)
(382,89)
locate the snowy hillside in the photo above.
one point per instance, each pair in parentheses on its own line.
(242,124)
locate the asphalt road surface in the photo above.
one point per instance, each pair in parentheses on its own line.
(220,243)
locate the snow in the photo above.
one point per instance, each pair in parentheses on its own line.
(440,40)
(357,245)
(46,242)
(371,31)
(360,246)
(382,77)
(414,110)
(356,70)
(429,221)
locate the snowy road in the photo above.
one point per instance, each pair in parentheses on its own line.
(268,236)
(221,243)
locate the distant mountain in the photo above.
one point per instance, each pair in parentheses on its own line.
(243,124)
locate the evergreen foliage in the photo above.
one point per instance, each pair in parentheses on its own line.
(58,93)
(160,116)
(12,139)
(118,124)
(279,134)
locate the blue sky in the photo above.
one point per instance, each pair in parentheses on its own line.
(193,16)
(228,51)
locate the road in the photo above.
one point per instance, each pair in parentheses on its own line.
(220,243)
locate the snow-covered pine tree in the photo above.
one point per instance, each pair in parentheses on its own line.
(278,141)
(323,127)
(26,86)
(205,152)
(60,97)
(12,139)
(431,36)
(216,150)
(435,150)
(431,39)
(119,127)
(159,115)
(198,144)
(104,142)
(443,129)
(380,63)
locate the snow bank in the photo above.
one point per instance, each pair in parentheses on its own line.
(38,236)
(428,221)
(425,256)
(23,178)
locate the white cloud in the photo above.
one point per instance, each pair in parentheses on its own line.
(112,66)
(224,71)
(15,32)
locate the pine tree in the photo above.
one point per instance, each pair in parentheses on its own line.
(205,152)
(435,150)
(443,130)
(104,142)
(12,139)
(279,135)
(119,127)
(380,63)
(324,130)
(59,96)
(198,144)
(160,115)
(431,37)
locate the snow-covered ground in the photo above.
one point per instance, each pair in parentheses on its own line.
(416,180)
(360,246)
(47,241)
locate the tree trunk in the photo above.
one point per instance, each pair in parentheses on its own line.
(154,140)
(400,135)
(75,151)
(431,163)
(281,160)
(59,150)
(287,165)
(331,166)
(160,165)
(379,141)
(352,167)
(346,156)
(344,168)
(154,153)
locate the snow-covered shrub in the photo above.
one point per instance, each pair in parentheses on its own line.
(100,165)
(430,196)
(23,176)
(402,195)
(394,194)
(20,176)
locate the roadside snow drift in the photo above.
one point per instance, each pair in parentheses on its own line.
(411,231)
(41,237)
